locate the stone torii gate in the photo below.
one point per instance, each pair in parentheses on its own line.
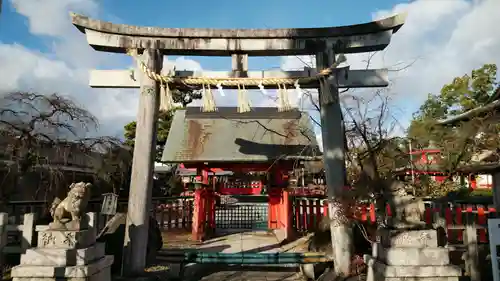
(155,42)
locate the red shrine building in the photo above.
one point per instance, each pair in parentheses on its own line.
(242,161)
(424,163)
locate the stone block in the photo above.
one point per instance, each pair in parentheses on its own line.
(66,239)
(63,257)
(103,275)
(411,256)
(377,277)
(411,238)
(455,278)
(377,268)
(77,271)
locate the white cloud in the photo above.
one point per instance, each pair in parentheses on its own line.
(444,39)
(447,37)
(64,69)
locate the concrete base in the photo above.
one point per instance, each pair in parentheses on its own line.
(377,268)
(63,257)
(411,256)
(66,239)
(101,267)
(104,275)
(412,239)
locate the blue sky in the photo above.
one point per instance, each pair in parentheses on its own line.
(39,49)
(211,14)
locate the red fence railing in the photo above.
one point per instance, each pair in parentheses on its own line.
(308,211)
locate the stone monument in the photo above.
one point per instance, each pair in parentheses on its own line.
(67,250)
(405,250)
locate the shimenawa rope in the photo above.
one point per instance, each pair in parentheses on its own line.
(243,102)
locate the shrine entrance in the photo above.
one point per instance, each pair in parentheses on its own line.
(213,135)
(241,212)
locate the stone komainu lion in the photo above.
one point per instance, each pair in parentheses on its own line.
(68,212)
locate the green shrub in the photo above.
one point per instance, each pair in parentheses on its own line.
(485,192)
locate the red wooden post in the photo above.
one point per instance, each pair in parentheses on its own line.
(363,216)
(273,208)
(200,213)
(482,221)
(325,208)
(204,176)
(458,219)
(210,199)
(373,219)
(286,213)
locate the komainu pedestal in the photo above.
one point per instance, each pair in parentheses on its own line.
(411,255)
(65,255)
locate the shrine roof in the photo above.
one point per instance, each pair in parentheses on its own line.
(262,135)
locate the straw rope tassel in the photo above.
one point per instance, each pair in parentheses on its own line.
(239,99)
(210,100)
(298,91)
(281,102)
(243,102)
(248,105)
(205,104)
(286,100)
(166,100)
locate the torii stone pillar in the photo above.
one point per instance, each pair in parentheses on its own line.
(141,184)
(334,162)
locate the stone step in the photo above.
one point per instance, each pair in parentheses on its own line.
(66,239)
(409,238)
(63,257)
(33,272)
(378,268)
(411,256)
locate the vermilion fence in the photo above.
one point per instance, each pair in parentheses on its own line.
(308,211)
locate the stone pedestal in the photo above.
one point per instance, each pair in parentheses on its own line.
(410,255)
(64,255)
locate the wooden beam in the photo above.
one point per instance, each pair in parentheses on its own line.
(353,79)
(119,43)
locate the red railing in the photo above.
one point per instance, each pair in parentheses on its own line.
(175,214)
(307,213)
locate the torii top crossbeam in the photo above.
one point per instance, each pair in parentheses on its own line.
(367,37)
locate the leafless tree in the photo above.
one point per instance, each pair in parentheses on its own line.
(371,144)
(43,135)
